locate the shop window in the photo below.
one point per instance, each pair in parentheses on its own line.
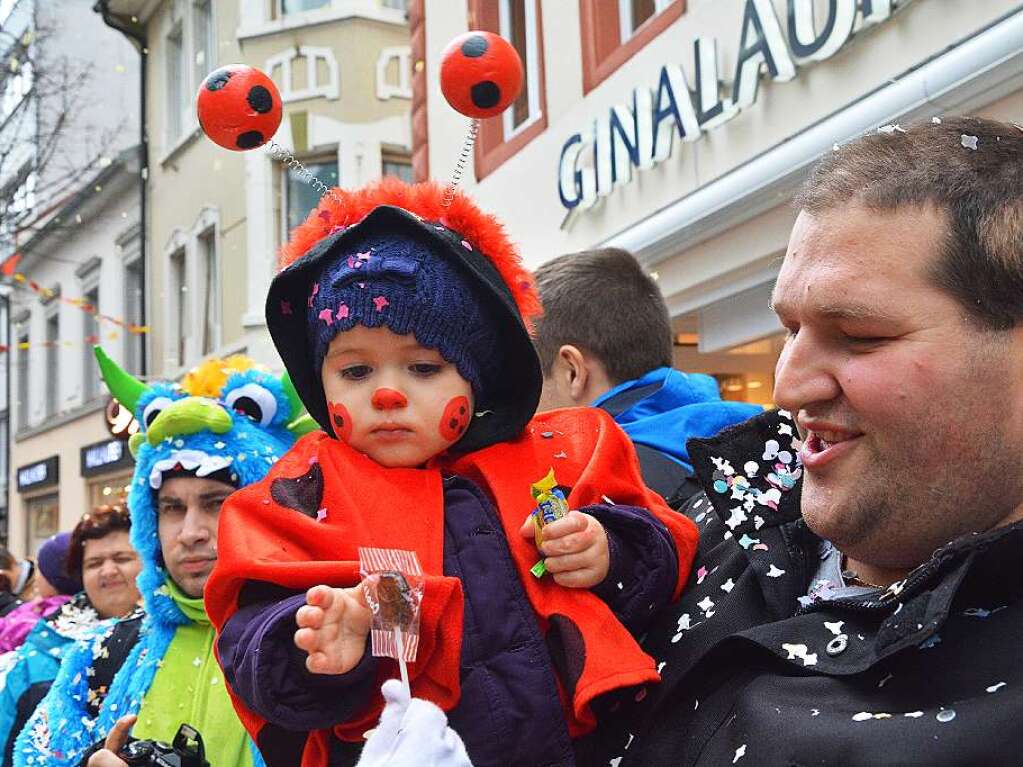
(209,284)
(109,490)
(300,196)
(91,385)
(397,165)
(614,30)
(52,347)
(42,521)
(519,22)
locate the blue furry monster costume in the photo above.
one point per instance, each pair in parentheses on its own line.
(229,421)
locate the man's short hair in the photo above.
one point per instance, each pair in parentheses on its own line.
(602,302)
(971,170)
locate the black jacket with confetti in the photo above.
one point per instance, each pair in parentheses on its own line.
(927,672)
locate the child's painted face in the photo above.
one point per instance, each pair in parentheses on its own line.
(396,401)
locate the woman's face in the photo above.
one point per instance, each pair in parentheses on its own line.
(109,568)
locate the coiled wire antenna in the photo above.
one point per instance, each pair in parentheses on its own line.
(282,155)
(463,160)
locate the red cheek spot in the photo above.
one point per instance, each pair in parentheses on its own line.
(455,419)
(340,420)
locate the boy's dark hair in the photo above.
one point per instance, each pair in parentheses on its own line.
(98,523)
(604,303)
(971,170)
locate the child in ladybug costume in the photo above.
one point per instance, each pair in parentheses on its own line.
(402,322)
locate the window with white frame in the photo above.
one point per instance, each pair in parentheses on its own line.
(203,40)
(286,7)
(632,14)
(398,5)
(52,347)
(300,196)
(398,165)
(133,316)
(209,287)
(22,405)
(177,290)
(177,84)
(91,385)
(518,26)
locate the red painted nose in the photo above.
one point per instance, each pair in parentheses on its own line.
(388,399)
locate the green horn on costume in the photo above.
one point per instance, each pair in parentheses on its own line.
(301,422)
(297,408)
(125,387)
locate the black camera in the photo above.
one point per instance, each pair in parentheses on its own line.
(187,750)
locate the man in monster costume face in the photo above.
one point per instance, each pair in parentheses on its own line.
(222,428)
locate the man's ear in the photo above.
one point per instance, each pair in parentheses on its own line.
(575,372)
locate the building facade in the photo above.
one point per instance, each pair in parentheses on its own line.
(70,252)
(215,218)
(680,129)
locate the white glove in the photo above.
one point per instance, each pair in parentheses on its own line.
(412,733)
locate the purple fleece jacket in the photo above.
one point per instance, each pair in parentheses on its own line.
(14,626)
(509,713)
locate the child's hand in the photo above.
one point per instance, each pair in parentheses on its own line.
(575,549)
(332,628)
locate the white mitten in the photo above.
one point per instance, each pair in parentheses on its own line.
(412,733)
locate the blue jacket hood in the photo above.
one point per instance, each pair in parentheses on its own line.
(678,407)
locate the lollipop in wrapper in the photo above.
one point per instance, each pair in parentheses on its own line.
(394,591)
(550,507)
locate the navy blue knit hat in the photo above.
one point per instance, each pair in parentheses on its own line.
(404,283)
(415,260)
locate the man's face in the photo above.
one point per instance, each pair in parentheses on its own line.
(911,417)
(188,509)
(396,401)
(109,568)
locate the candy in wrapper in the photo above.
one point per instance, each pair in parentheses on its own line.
(394,591)
(550,507)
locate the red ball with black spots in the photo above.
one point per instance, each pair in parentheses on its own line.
(480,74)
(455,419)
(239,107)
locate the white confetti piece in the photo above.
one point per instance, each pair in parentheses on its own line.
(996,687)
(736,518)
(728,585)
(802,652)
(885,681)
(969,142)
(740,752)
(936,120)
(835,627)
(913,714)
(706,604)
(945,715)
(863,716)
(815,712)
(775,572)
(661,665)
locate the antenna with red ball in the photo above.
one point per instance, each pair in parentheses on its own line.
(240,108)
(480,76)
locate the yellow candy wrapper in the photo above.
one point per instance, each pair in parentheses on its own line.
(551,506)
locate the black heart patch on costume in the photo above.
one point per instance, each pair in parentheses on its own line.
(568,650)
(304,494)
